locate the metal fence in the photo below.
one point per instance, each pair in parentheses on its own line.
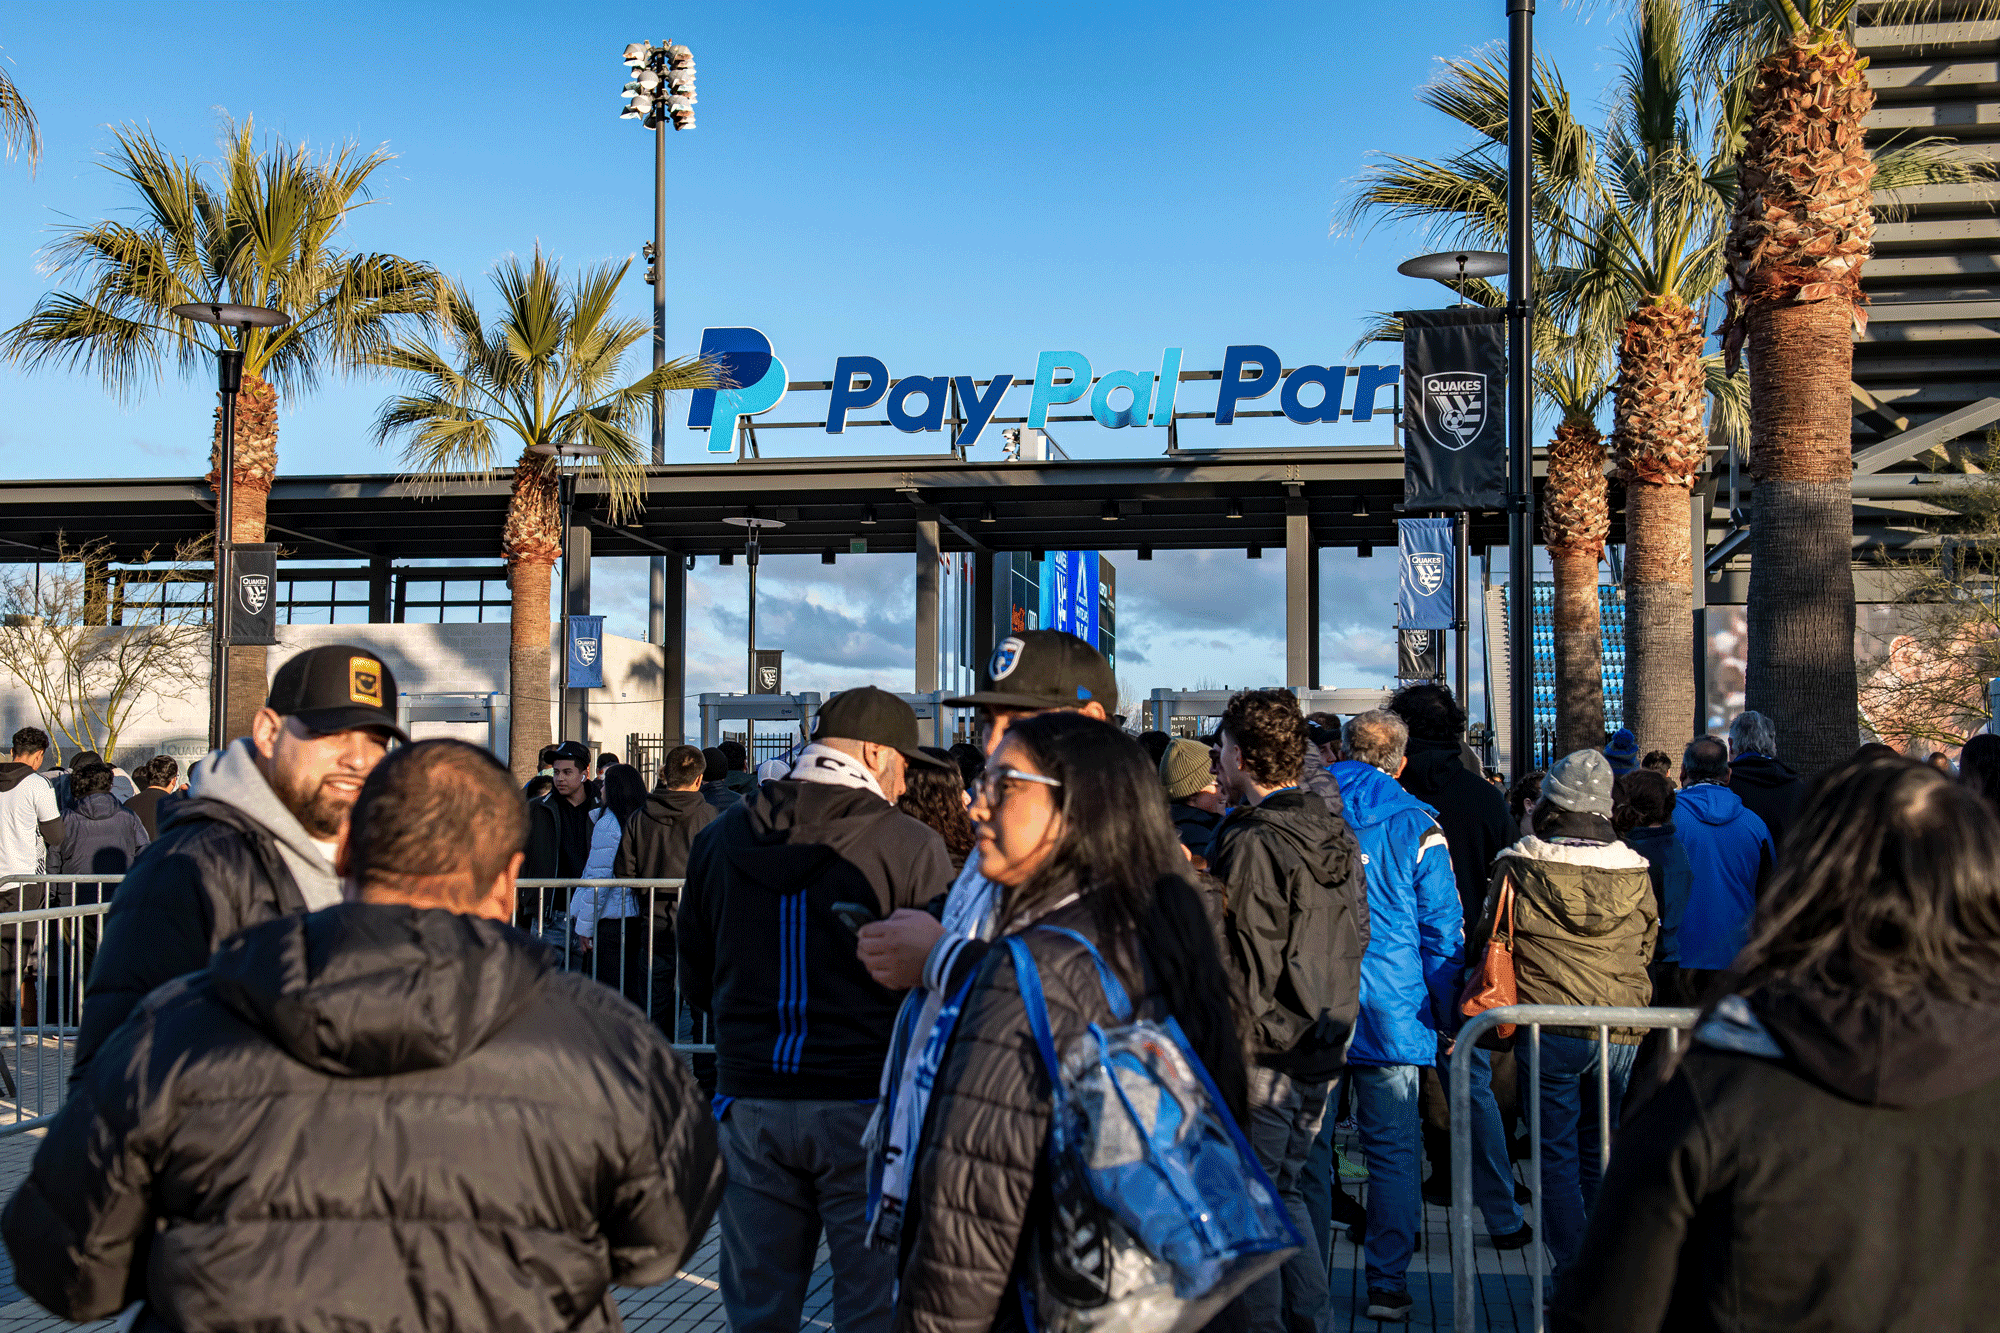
(50,926)
(1530,1019)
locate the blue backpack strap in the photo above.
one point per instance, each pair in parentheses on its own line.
(1029,978)
(1114,990)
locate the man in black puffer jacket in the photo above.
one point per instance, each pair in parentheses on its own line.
(367,1118)
(1471,811)
(1296,928)
(256,839)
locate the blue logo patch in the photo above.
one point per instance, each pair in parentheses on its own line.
(1005,658)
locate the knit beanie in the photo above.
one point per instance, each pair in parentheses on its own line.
(1623,752)
(1580,782)
(1184,769)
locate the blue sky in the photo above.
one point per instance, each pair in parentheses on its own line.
(951,188)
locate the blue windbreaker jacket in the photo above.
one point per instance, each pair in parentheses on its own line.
(1416,927)
(1729,852)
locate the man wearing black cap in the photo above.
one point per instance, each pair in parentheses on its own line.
(257,837)
(559,824)
(775,888)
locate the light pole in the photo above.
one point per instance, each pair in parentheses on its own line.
(1520,378)
(1453,268)
(750,552)
(229,373)
(661,89)
(565,498)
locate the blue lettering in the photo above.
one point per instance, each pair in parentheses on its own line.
(1235,388)
(846,397)
(979,411)
(1372,378)
(1332,380)
(1048,393)
(1134,412)
(932,388)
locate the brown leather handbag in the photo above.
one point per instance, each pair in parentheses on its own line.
(1492,986)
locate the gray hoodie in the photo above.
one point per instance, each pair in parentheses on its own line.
(231,776)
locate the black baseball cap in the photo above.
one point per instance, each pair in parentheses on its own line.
(337,687)
(877,717)
(1045,668)
(575,751)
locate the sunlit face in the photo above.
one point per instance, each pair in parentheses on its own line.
(569,778)
(316,776)
(993,724)
(1018,820)
(1236,782)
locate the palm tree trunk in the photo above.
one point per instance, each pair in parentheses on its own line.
(1579,653)
(532,543)
(255,467)
(1576,519)
(1659,623)
(1801,665)
(1802,231)
(1661,446)
(528,727)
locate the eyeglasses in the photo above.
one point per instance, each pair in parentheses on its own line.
(990,780)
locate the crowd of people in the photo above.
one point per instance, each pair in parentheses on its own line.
(329,1071)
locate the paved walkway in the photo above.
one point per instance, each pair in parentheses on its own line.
(692,1302)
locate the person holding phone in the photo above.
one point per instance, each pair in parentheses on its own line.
(777,888)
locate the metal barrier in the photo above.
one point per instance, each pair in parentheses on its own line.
(1533,1018)
(48,942)
(48,937)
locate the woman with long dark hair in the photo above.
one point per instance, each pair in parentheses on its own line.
(933,796)
(1823,1157)
(615,956)
(1073,828)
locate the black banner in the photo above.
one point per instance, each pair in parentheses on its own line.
(770,672)
(1454,408)
(1419,654)
(253,595)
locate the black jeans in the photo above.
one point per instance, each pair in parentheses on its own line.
(618,958)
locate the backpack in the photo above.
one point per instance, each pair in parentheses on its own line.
(1161,1214)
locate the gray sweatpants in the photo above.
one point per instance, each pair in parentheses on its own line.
(795,1167)
(1284,1120)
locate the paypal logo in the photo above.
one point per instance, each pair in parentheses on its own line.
(1117,400)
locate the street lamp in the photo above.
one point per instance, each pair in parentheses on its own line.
(756,525)
(565,498)
(1453,268)
(661,89)
(229,368)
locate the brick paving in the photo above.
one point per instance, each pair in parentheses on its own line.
(692,1302)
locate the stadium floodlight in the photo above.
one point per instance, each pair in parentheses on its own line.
(647,79)
(636,53)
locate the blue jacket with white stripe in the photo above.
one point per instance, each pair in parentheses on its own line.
(1416,927)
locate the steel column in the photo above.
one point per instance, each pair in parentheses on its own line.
(1520,383)
(576,602)
(1698,543)
(1301,598)
(1462,609)
(927,606)
(672,577)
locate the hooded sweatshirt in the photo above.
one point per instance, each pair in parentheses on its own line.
(367,1119)
(797,1015)
(27,804)
(231,775)
(1471,811)
(1821,1159)
(1772,791)
(1729,856)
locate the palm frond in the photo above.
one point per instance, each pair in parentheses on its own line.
(1911,166)
(17,124)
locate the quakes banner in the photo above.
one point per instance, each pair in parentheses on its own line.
(1426,598)
(1419,654)
(1454,408)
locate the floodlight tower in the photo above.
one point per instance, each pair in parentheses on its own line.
(660,90)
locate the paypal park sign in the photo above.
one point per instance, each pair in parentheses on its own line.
(1122,398)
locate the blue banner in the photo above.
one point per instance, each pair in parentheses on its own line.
(1425,600)
(586,652)
(1069,594)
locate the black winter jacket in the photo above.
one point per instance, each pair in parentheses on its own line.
(1472,812)
(797,1016)
(558,842)
(1194,826)
(1772,792)
(212,872)
(656,844)
(370,1118)
(1841,1180)
(1296,929)
(982,1172)
(100,836)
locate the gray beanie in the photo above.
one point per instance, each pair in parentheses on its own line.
(1184,769)
(1580,782)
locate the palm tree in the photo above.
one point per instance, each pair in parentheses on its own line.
(544,372)
(259,226)
(1573,375)
(17,123)
(1801,232)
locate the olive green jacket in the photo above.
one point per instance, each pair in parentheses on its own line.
(1585,926)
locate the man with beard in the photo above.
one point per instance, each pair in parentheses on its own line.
(257,837)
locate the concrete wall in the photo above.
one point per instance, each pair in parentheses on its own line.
(426,659)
